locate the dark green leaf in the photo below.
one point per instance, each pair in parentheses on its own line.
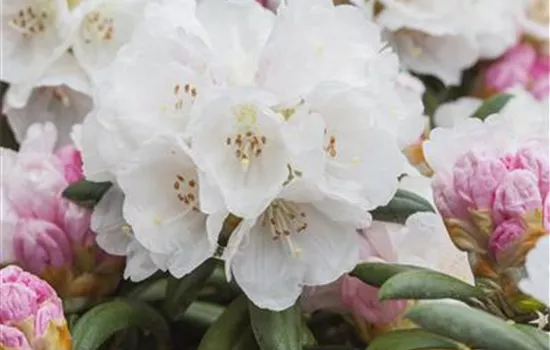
(202,314)
(307,338)
(180,293)
(103,321)
(86,193)
(401,206)
(227,331)
(412,339)
(276,330)
(470,326)
(149,290)
(536,334)
(376,274)
(426,284)
(491,106)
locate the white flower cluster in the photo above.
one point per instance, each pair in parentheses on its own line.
(292,121)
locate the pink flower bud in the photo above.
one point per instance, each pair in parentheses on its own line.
(505,234)
(31,314)
(71,161)
(13,338)
(535,159)
(363,299)
(546,213)
(511,69)
(447,200)
(40,244)
(75,220)
(476,178)
(540,76)
(517,194)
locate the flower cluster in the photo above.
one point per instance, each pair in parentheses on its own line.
(31,314)
(43,232)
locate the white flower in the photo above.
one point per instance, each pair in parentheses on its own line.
(431,37)
(60,105)
(537,264)
(161,188)
(450,113)
(33,36)
(115,236)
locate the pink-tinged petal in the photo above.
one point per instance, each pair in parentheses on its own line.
(505,234)
(449,203)
(363,299)
(17,302)
(546,212)
(39,244)
(476,178)
(535,159)
(14,274)
(517,194)
(13,338)
(71,160)
(75,221)
(512,69)
(48,312)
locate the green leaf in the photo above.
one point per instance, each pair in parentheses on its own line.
(491,106)
(180,293)
(276,330)
(401,206)
(470,326)
(541,337)
(103,321)
(307,338)
(202,314)
(227,331)
(86,193)
(149,290)
(376,274)
(412,339)
(426,284)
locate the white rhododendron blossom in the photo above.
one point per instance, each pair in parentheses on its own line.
(538,271)
(292,121)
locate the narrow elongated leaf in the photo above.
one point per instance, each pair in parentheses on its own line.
(491,106)
(103,321)
(276,330)
(86,193)
(401,206)
(202,314)
(475,328)
(412,339)
(376,274)
(536,334)
(426,284)
(226,332)
(149,290)
(180,293)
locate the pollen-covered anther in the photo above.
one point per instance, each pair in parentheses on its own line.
(98,27)
(247,146)
(186,191)
(183,95)
(331,147)
(30,21)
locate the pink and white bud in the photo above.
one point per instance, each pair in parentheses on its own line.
(31,314)
(506,233)
(540,77)
(535,159)
(476,177)
(517,194)
(449,203)
(71,160)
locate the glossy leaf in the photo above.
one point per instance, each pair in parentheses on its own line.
(86,193)
(376,274)
(276,330)
(180,293)
(473,327)
(99,324)
(401,206)
(412,339)
(492,105)
(426,284)
(536,334)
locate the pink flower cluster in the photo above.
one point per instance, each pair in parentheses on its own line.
(506,196)
(43,232)
(31,314)
(521,66)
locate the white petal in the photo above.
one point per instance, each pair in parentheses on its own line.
(40,138)
(113,233)
(537,265)
(447,114)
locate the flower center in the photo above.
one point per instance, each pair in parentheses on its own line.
(248,144)
(97,27)
(186,191)
(283,218)
(32,20)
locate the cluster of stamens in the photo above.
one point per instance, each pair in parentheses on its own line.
(181,94)
(247,145)
(29,21)
(103,27)
(284,218)
(186,191)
